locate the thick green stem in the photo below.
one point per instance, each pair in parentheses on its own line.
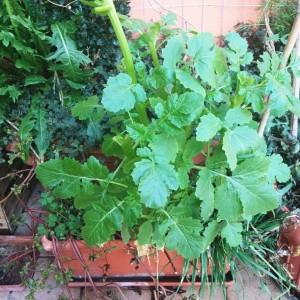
(153,52)
(108,8)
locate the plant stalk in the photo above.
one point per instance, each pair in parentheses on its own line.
(287,52)
(296,89)
(108,8)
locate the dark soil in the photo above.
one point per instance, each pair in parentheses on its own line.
(13,261)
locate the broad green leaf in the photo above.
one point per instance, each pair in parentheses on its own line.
(256,195)
(67,176)
(237,43)
(125,233)
(102,222)
(202,49)
(189,82)
(88,195)
(205,192)
(182,234)
(172,53)
(208,127)
(34,79)
(238,140)
(227,203)
(164,148)
(278,170)
(155,182)
(180,110)
(210,233)
(232,234)
(42,139)
(121,94)
(238,116)
(90,108)
(145,233)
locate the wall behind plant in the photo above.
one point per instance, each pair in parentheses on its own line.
(216,16)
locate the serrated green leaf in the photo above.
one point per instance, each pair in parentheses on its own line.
(121,94)
(210,233)
(145,233)
(34,79)
(208,127)
(182,234)
(201,48)
(232,234)
(205,192)
(155,182)
(66,50)
(227,203)
(278,170)
(102,222)
(189,82)
(237,43)
(67,176)
(238,116)
(90,108)
(172,53)
(11,90)
(164,148)
(238,140)
(179,111)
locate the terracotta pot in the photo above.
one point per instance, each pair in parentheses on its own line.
(115,260)
(289,245)
(18,241)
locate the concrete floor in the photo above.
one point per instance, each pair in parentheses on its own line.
(249,287)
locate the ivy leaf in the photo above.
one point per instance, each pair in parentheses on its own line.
(205,192)
(202,49)
(237,116)
(208,127)
(238,140)
(182,233)
(121,94)
(102,222)
(155,182)
(232,234)
(90,108)
(227,203)
(67,176)
(278,170)
(189,82)
(172,53)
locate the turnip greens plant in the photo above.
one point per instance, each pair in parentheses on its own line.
(184,96)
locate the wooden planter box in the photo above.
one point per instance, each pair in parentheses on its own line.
(12,207)
(118,263)
(23,245)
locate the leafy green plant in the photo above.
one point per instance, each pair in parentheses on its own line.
(45,59)
(157,195)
